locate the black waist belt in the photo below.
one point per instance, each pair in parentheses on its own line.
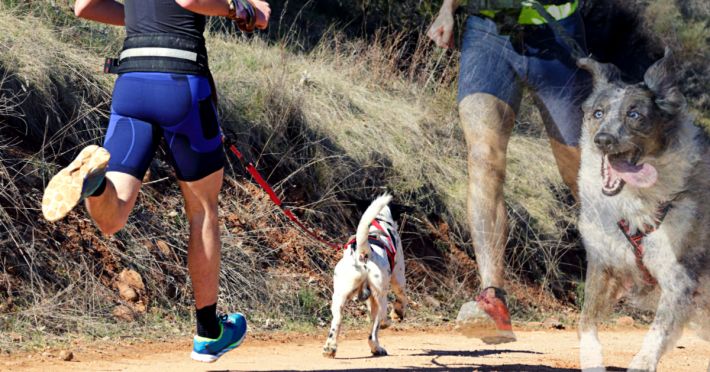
(160,53)
(478,5)
(523,14)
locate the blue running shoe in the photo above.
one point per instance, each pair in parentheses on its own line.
(234,330)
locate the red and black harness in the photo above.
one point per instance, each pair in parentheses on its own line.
(374,239)
(636,239)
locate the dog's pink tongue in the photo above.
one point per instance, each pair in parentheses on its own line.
(643,175)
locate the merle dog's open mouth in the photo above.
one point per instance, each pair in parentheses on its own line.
(622,168)
(611,182)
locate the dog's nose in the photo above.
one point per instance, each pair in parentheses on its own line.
(605,141)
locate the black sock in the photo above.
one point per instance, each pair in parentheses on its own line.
(207,324)
(100,190)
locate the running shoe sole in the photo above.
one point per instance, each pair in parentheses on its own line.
(65,189)
(473,322)
(486,332)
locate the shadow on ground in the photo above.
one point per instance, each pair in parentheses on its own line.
(439,366)
(443,368)
(472,353)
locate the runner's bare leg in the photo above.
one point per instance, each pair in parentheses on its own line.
(487,124)
(110,210)
(203,252)
(568,159)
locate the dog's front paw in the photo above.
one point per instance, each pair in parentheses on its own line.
(379,351)
(329,352)
(642,363)
(590,352)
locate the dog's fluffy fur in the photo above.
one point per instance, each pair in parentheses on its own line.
(644,130)
(364,273)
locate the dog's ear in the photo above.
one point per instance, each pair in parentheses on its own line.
(602,73)
(661,81)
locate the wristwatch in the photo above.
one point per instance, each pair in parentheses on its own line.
(242,13)
(232,10)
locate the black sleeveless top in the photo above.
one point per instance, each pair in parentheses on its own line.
(162,16)
(162,24)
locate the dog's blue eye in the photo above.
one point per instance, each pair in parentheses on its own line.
(598,114)
(633,115)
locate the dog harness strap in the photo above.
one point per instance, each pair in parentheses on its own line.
(636,240)
(390,249)
(373,240)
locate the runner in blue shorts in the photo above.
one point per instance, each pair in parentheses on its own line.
(163,94)
(148,108)
(508,46)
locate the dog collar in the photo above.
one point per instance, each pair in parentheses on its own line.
(636,240)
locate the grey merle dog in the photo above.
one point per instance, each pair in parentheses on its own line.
(644,188)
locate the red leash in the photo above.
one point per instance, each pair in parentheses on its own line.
(274,198)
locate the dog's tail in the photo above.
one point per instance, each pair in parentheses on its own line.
(363,228)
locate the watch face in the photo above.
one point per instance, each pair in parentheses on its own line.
(232,9)
(246,18)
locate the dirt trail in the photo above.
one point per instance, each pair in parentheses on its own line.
(437,350)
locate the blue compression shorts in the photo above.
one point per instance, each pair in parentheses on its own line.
(149,107)
(490,64)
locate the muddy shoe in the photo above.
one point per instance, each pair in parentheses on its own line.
(486,318)
(75,182)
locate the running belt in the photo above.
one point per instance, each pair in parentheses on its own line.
(527,15)
(160,52)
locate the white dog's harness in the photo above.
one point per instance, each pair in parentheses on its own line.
(374,239)
(636,240)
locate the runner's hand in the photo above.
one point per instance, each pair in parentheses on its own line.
(442,30)
(263,12)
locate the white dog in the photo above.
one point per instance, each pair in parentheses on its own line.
(371,261)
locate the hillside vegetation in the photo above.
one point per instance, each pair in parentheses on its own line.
(330,127)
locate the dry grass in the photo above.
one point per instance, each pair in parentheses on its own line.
(350,95)
(344,115)
(684,27)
